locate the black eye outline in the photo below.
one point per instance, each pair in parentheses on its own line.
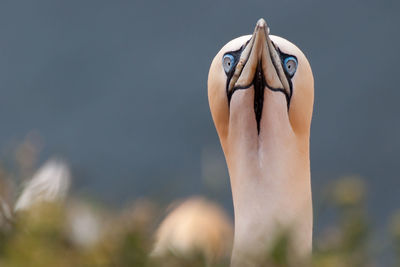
(228,62)
(290,65)
(236,55)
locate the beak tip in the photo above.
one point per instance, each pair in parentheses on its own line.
(261,23)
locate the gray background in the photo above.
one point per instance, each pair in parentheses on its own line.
(118,88)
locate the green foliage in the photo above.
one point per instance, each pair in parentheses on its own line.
(41,236)
(347,241)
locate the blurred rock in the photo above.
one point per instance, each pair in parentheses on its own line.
(195,226)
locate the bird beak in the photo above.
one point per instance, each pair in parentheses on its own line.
(259,60)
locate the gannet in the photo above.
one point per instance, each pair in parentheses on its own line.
(261,94)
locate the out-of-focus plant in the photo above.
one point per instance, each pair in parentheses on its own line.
(53,234)
(68,231)
(345,242)
(395,231)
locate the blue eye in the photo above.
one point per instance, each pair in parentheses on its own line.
(290,64)
(228,62)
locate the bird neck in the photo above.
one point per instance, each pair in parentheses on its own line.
(271,189)
(271,195)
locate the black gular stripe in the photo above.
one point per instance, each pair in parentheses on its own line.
(236,55)
(259,83)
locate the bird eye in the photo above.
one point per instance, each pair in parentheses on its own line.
(228,62)
(290,64)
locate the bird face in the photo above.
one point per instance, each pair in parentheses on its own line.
(260,85)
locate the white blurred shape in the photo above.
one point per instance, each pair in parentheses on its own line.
(84,225)
(5,209)
(5,214)
(50,183)
(195,226)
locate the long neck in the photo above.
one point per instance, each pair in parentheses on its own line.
(270,179)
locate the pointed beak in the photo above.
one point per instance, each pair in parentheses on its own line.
(259,59)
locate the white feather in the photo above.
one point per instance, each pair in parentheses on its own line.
(50,183)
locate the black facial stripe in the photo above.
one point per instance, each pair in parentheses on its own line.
(283,57)
(288,76)
(259,82)
(236,54)
(243,87)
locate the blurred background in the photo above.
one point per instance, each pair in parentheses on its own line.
(118,90)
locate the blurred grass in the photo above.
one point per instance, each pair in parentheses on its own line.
(78,233)
(41,236)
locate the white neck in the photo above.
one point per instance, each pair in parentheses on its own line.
(270,179)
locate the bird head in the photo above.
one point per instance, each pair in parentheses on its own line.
(258,83)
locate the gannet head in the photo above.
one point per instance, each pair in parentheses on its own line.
(260,81)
